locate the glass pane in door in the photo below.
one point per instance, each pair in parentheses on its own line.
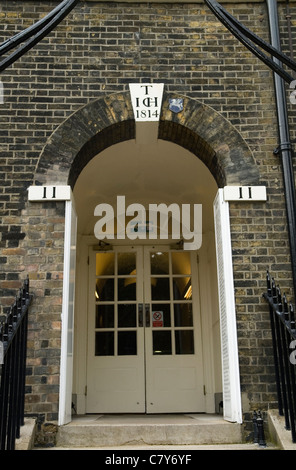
(104,343)
(126,263)
(159,262)
(182,288)
(165,314)
(104,289)
(183,315)
(104,316)
(127,288)
(127,343)
(160,288)
(127,315)
(181,263)
(162,342)
(105,264)
(184,342)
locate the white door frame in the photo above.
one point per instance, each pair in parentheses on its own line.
(67,334)
(229,349)
(232,408)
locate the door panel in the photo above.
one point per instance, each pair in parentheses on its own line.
(115,369)
(145,351)
(174,374)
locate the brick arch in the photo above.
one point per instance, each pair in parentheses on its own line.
(109,120)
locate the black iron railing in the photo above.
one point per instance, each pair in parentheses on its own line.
(284,349)
(34,33)
(13,351)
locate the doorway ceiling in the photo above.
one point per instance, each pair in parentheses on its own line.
(160,172)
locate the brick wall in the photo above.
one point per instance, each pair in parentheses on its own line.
(96,51)
(43,224)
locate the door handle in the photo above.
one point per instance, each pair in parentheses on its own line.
(147,314)
(140,314)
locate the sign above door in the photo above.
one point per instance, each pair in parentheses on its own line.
(146,100)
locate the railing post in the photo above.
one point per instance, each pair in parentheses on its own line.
(292,366)
(261,435)
(24,334)
(287,381)
(283,333)
(281,361)
(255,428)
(275,347)
(13,338)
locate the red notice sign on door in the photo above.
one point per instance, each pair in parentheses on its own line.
(157,319)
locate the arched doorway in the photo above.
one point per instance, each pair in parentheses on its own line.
(206,135)
(170,365)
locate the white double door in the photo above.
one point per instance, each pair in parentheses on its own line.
(144,332)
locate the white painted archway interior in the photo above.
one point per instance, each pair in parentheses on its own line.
(160,172)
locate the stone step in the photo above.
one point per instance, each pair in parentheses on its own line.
(97,431)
